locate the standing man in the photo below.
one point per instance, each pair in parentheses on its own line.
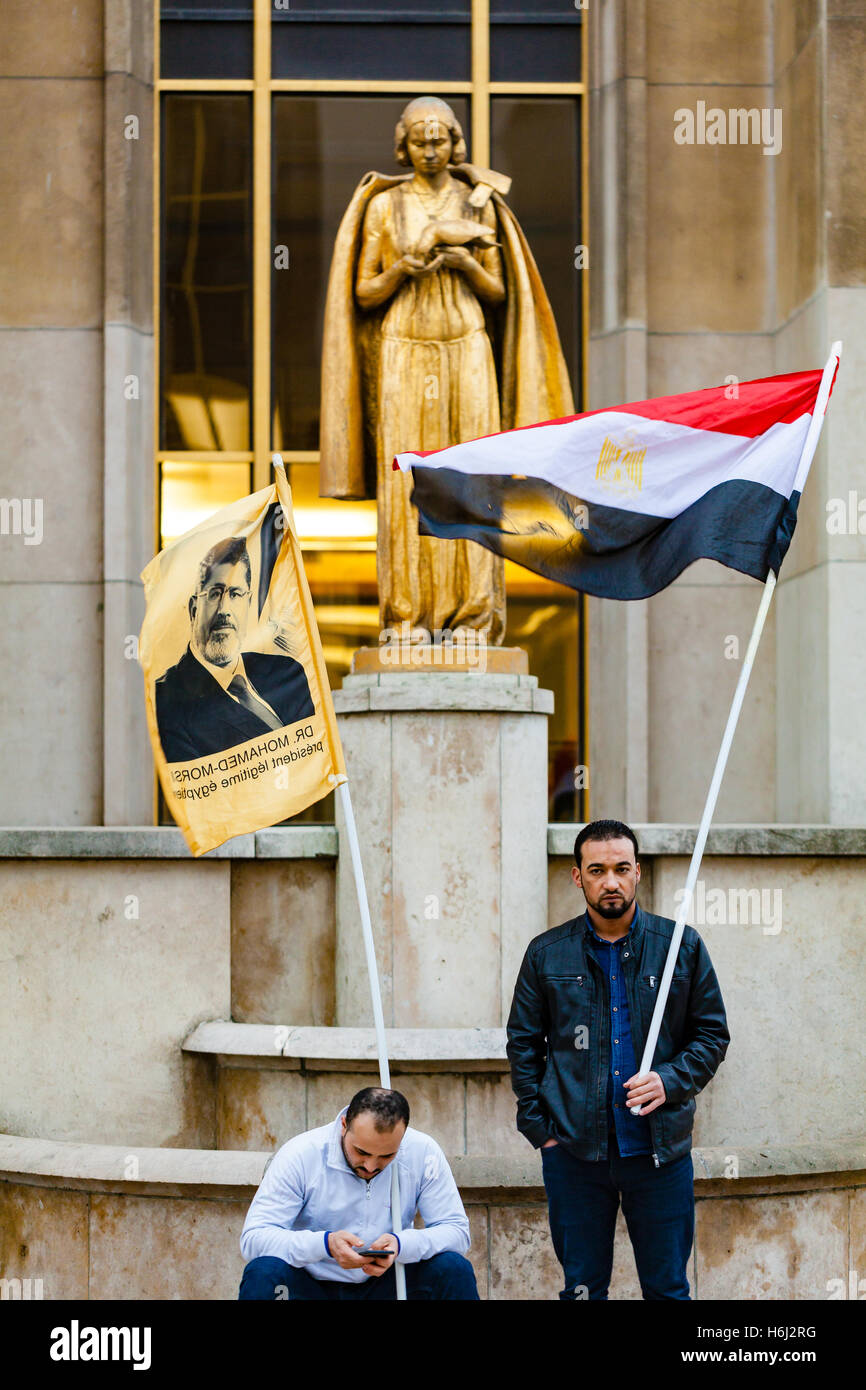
(327,1194)
(580,1014)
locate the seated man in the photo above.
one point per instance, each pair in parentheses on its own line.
(327,1193)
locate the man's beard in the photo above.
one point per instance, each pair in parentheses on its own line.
(222,646)
(612,910)
(359,1173)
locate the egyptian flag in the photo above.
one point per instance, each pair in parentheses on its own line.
(617,502)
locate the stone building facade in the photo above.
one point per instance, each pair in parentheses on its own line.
(167,1023)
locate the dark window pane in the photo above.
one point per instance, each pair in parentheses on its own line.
(374,11)
(537,141)
(206,9)
(411,51)
(321,148)
(206,49)
(535,52)
(200,47)
(206,272)
(536,11)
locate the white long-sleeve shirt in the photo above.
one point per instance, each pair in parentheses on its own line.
(309,1189)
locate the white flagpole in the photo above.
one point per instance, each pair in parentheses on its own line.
(372,971)
(375,994)
(809,447)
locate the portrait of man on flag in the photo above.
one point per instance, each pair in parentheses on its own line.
(218,695)
(238,703)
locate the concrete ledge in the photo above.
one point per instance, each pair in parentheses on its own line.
(659,839)
(214,1173)
(297,842)
(113,1168)
(780,1160)
(77,1219)
(712,1166)
(458,1049)
(321,841)
(162,842)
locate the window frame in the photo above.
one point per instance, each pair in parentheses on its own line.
(480,90)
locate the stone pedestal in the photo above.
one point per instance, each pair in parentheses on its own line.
(471,654)
(448,774)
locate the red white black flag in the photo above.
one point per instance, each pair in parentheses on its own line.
(617,502)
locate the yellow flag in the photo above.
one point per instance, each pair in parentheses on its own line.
(238,703)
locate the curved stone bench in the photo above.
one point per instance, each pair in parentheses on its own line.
(465,1049)
(273,1080)
(789,1226)
(214,1172)
(110,1168)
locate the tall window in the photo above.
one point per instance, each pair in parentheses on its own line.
(270,113)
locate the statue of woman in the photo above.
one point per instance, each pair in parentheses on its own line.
(431,277)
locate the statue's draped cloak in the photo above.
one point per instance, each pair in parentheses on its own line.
(531,370)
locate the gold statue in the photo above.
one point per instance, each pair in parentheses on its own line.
(437,330)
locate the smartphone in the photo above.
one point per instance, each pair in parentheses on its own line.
(374,1254)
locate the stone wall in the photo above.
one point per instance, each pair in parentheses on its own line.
(114,963)
(171,1229)
(821,294)
(114,955)
(51,371)
(711,262)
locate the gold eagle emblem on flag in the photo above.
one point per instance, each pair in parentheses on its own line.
(620,466)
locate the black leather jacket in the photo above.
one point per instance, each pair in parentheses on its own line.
(561,1087)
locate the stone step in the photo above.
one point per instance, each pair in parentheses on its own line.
(76,1218)
(275,1080)
(210,1172)
(469,1049)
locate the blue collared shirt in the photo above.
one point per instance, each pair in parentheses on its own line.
(309,1190)
(632,1131)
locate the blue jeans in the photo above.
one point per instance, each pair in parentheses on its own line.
(659,1209)
(448,1275)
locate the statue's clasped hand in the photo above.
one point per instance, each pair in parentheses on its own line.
(456,257)
(416,267)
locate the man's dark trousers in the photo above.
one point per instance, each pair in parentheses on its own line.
(659,1209)
(446,1276)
